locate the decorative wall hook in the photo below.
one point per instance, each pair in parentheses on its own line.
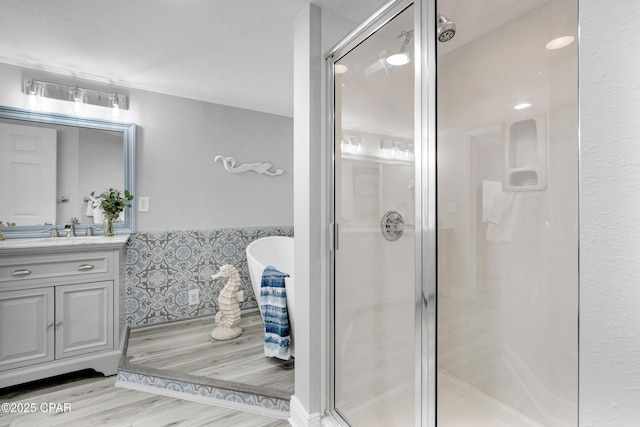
(229,164)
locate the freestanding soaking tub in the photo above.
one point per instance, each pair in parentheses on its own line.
(276,251)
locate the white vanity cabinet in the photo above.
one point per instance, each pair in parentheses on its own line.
(26,327)
(61,307)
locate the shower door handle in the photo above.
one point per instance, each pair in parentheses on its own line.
(334,236)
(392,225)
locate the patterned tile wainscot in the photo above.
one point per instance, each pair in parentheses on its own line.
(161,268)
(264,405)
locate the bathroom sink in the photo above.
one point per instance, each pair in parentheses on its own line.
(50,241)
(43,243)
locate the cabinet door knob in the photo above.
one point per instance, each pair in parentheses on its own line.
(50,324)
(85,267)
(21,273)
(58,323)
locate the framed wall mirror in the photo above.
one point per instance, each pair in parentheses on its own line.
(50,164)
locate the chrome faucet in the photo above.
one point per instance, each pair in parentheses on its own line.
(71,227)
(54,231)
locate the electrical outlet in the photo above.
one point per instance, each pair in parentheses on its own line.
(194,297)
(143,204)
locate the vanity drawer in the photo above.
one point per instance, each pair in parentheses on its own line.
(46,267)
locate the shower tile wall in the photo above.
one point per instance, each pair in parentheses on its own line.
(161,268)
(508,285)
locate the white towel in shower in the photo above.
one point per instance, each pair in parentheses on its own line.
(492,201)
(495,216)
(523,216)
(501,218)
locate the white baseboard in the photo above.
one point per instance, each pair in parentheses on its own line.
(299,417)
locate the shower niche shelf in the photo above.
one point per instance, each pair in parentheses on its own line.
(526,155)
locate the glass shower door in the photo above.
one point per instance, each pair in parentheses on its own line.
(374,211)
(507,180)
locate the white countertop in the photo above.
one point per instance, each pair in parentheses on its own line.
(55,244)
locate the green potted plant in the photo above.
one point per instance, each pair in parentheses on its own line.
(112,203)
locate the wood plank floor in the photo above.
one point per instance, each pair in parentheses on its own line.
(179,350)
(184,350)
(94,401)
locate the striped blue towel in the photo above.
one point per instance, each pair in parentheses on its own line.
(273,302)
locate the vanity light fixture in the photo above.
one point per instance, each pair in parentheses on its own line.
(35,90)
(351,145)
(77,96)
(115,101)
(396,150)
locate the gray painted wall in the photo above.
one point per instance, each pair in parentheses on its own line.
(178,139)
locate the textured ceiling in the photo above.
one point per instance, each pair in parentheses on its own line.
(237,53)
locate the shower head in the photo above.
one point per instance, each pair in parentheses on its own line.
(446,29)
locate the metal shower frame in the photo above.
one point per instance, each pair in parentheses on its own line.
(425,19)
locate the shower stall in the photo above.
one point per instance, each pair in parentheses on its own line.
(454,210)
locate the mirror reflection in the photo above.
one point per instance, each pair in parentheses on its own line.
(51,163)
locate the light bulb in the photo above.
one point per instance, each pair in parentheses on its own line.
(115,106)
(32,100)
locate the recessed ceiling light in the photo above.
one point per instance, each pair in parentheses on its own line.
(398,59)
(340,68)
(522,106)
(560,42)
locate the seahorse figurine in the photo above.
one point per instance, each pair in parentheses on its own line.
(228,316)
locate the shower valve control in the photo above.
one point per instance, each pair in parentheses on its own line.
(392,225)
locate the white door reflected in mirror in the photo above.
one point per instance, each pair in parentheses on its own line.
(28,172)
